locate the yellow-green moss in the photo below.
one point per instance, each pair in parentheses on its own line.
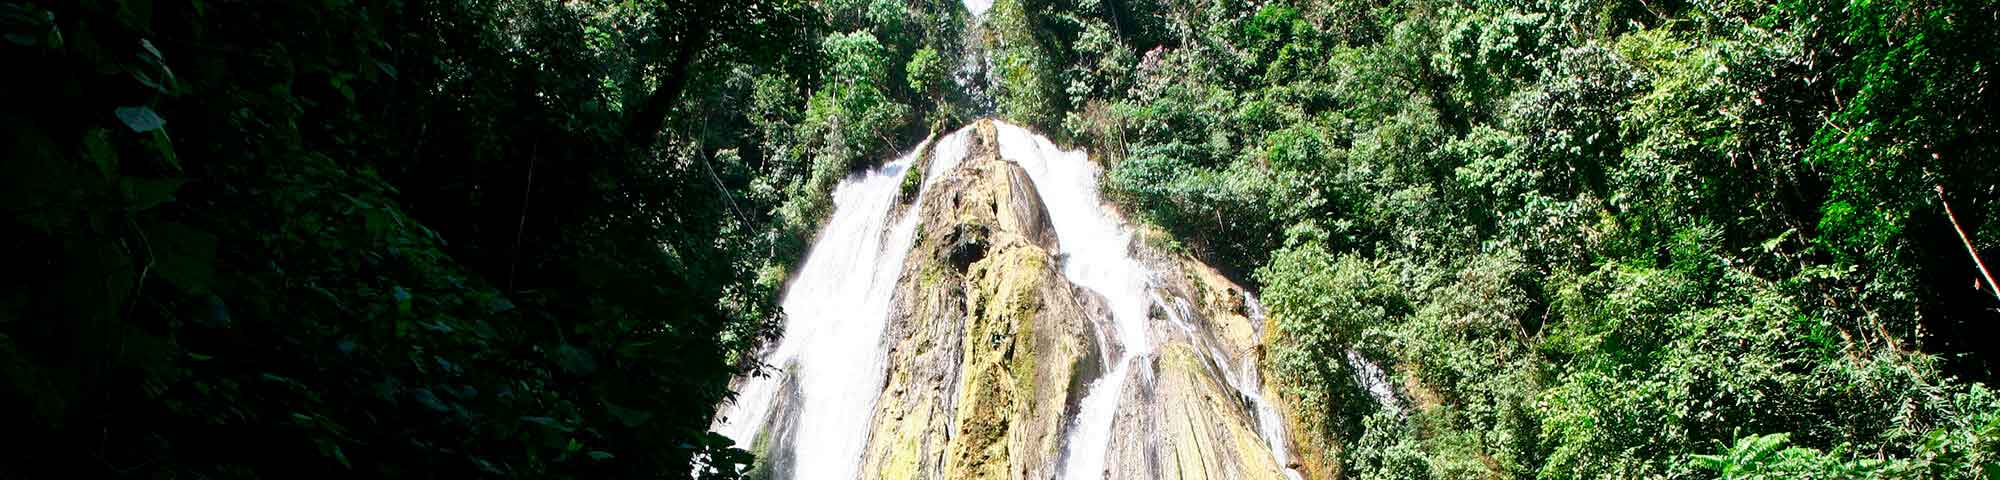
(999,372)
(903,458)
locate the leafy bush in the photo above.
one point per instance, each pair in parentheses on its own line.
(1967,447)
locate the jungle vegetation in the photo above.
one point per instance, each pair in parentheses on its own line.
(418,238)
(535,239)
(1587,238)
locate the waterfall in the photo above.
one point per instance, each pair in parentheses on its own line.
(835,311)
(1097,246)
(977,7)
(1371,378)
(814,415)
(1270,424)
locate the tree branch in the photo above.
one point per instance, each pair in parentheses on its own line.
(1969,249)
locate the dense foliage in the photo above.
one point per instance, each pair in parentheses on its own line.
(526,238)
(1588,238)
(418,238)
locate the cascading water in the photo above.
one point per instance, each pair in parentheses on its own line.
(1366,373)
(816,412)
(1371,378)
(1099,258)
(1270,424)
(977,7)
(835,311)
(1097,246)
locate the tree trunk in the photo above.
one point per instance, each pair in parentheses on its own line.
(646,121)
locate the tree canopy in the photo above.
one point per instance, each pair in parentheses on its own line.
(1587,239)
(416,238)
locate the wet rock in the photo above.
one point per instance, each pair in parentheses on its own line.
(1178,420)
(1025,212)
(990,346)
(775,437)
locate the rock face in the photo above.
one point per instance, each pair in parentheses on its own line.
(990,348)
(1180,422)
(990,345)
(1185,413)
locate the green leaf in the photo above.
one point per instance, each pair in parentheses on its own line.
(600,455)
(97,146)
(558,425)
(160,77)
(215,315)
(574,360)
(183,255)
(144,193)
(1772,244)
(28,26)
(330,449)
(424,397)
(165,146)
(140,119)
(136,14)
(402,298)
(156,57)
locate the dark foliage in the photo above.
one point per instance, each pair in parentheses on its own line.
(418,238)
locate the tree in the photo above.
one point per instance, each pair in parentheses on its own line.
(762,31)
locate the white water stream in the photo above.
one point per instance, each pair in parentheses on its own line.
(835,312)
(1372,379)
(1269,423)
(977,7)
(1097,246)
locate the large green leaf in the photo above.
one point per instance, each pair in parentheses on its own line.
(97,146)
(183,255)
(140,119)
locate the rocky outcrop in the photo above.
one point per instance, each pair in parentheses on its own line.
(1183,415)
(990,345)
(1178,420)
(990,349)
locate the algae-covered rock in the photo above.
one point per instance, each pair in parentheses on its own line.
(1178,420)
(1026,350)
(990,343)
(991,348)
